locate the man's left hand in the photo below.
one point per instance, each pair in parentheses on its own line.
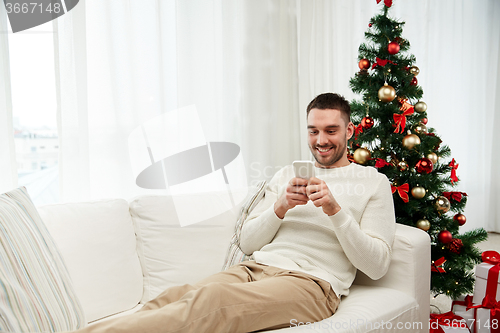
(319,193)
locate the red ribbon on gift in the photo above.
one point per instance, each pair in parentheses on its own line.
(457,196)
(388,3)
(381,62)
(489,300)
(402,191)
(446,319)
(381,163)
(454,168)
(400,120)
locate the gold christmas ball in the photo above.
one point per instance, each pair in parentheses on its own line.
(420,107)
(410,141)
(421,129)
(414,70)
(442,204)
(433,157)
(418,192)
(362,155)
(387,93)
(423,224)
(403,166)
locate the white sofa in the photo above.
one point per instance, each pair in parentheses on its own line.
(121,254)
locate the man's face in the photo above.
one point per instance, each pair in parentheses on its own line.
(327,137)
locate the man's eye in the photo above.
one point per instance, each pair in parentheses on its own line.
(313,132)
(331,132)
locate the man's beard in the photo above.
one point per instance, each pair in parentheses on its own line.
(338,153)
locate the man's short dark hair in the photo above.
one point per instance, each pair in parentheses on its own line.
(331,101)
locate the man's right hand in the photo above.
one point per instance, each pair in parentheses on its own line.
(295,194)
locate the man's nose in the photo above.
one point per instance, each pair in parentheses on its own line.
(322,139)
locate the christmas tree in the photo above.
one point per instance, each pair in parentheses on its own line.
(391,135)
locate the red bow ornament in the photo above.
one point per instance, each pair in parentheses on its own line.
(435,266)
(457,196)
(381,163)
(454,168)
(388,3)
(381,62)
(402,191)
(358,129)
(400,119)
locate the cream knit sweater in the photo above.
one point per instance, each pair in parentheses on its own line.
(359,236)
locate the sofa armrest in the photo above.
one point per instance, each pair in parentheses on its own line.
(410,268)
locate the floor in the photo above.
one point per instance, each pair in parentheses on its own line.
(442,303)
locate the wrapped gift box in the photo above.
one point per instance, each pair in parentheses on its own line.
(485,272)
(459,308)
(478,318)
(447,323)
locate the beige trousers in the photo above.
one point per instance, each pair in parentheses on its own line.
(247,297)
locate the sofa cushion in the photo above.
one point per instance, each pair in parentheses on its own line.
(174,255)
(97,241)
(36,290)
(234,253)
(368,309)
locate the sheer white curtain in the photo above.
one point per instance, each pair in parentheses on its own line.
(8,166)
(251,67)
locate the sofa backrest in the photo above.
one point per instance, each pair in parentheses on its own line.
(97,242)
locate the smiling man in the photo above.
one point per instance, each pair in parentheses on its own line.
(307,237)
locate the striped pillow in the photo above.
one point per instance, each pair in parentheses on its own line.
(234,254)
(36,293)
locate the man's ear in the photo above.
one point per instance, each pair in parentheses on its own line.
(350,130)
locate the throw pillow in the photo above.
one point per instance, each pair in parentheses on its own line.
(37,293)
(234,254)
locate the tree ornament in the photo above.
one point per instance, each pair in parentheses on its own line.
(414,70)
(424,121)
(460,218)
(423,224)
(364,64)
(370,25)
(367,122)
(456,245)
(424,165)
(362,155)
(442,204)
(393,47)
(414,81)
(403,166)
(421,129)
(420,107)
(445,237)
(410,141)
(433,157)
(387,93)
(418,192)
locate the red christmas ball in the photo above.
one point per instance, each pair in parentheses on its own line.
(393,47)
(460,218)
(456,245)
(367,122)
(424,121)
(424,165)
(445,237)
(364,64)
(370,25)
(414,81)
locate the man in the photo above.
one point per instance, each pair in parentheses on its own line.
(307,237)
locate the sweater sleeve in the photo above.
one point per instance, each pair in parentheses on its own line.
(262,224)
(368,244)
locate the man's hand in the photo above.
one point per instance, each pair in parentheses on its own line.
(319,193)
(295,194)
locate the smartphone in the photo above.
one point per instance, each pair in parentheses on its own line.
(303,169)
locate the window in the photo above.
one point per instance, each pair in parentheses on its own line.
(34,111)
